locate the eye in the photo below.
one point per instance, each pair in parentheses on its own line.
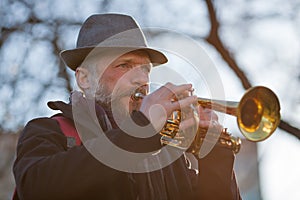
(125,66)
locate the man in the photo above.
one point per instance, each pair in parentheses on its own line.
(116,160)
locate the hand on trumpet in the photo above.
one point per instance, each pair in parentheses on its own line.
(160,104)
(195,123)
(208,119)
(181,120)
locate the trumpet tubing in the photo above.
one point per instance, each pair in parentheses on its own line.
(257,113)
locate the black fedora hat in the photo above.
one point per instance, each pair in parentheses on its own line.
(107,32)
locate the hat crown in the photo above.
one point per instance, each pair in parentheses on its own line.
(107,32)
(110,30)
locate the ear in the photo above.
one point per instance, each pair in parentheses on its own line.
(82,78)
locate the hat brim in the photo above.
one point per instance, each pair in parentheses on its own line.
(74,57)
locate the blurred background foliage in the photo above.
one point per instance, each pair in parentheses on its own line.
(253,42)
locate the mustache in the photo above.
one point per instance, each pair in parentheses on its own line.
(132,91)
(103,95)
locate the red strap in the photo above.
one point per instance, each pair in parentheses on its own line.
(67,127)
(15,195)
(70,132)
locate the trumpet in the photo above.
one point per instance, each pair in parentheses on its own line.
(257,113)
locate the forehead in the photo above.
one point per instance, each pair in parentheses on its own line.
(135,56)
(108,58)
(112,58)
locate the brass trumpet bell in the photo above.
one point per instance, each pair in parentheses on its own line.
(258,112)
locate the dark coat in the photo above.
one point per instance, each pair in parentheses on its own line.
(45,168)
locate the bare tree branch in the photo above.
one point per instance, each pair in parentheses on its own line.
(289,128)
(214,39)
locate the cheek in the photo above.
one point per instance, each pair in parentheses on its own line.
(117,80)
(121,80)
(109,79)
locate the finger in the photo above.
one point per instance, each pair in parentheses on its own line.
(181,89)
(184,94)
(210,114)
(207,114)
(187,123)
(177,105)
(205,123)
(170,89)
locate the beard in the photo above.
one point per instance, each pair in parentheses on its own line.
(103,96)
(118,102)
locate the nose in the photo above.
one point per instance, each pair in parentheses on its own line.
(140,76)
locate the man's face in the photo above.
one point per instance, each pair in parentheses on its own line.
(122,77)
